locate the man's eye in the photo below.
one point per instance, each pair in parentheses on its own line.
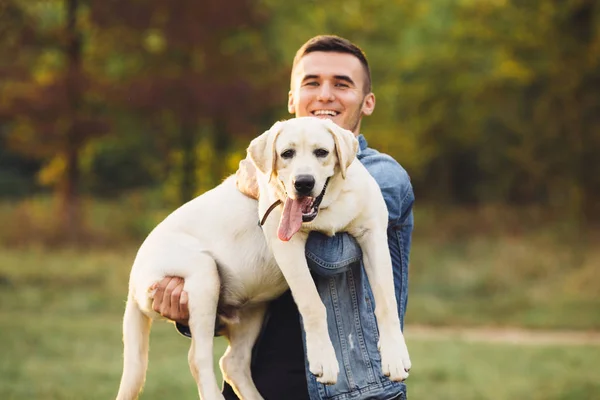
(288,154)
(320,153)
(313,83)
(343,85)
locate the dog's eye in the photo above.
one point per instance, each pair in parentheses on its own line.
(320,153)
(288,154)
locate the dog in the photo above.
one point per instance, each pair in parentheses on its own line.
(233,266)
(310,166)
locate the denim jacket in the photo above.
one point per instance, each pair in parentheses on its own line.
(342,284)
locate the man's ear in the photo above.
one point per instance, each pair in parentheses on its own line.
(368,104)
(291,103)
(346,145)
(262,150)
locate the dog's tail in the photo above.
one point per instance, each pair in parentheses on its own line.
(136,335)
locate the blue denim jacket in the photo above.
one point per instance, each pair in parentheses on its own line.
(343,286)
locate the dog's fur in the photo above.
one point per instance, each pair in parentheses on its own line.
(216,245)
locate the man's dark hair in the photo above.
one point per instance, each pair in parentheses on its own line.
(335,44)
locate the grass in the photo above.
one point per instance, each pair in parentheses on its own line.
(61,309)
(78,356)
(503,281)
(504,268)
(60,338)
(483,266)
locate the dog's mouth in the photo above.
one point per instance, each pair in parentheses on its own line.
(311,208)
(297,211)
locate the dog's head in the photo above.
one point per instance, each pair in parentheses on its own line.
(302,154)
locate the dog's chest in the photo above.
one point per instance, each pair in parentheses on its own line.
(333,220)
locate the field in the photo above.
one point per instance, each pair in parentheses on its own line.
(60,316)
(78,357)
(60,339)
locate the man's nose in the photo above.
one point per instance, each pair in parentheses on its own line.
(325,93)
(304,184)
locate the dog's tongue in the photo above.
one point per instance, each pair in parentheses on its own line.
(291,218)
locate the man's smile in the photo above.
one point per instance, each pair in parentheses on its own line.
(324,113)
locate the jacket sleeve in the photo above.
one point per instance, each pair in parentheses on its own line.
(399,197)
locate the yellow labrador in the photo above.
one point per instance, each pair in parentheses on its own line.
(215,243)
(309,165)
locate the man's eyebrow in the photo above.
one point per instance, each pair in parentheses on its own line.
(310,76)
(344,78)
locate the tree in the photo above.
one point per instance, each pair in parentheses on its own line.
(198,71)
(51,116)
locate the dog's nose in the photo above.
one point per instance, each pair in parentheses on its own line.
(304,184)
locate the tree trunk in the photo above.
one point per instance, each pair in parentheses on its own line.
(221,142)
(69,189)
(188,186)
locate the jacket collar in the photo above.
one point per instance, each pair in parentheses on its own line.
(362,144)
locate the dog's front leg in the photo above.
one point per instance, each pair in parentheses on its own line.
(290,257)
(395,361)
(235,363)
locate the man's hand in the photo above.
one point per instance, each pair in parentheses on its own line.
(246,178)
(170,300)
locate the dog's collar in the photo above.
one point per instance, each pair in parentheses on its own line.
(271,208)
(278,202)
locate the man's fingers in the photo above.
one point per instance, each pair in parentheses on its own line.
(160,291)
(174,301)
(183,306)
(167,304)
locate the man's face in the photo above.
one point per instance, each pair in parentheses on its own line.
(330,85)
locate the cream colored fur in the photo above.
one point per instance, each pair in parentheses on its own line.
(214,243)
(352,203)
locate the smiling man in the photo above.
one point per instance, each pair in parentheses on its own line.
(331,84)
(330,79)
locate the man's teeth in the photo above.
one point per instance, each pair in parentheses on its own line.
(325,112)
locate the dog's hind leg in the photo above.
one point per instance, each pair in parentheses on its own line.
(203,287)
(136,333)
(235,363)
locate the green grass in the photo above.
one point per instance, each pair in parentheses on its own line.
(78,356)
(60,332)
(60,310)
(504,267)
(503,281)
(485,266)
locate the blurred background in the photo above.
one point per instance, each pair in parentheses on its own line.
(113,113)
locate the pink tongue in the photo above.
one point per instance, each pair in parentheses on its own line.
(291,219)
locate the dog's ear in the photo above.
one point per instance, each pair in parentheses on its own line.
(262,150)
(346,145)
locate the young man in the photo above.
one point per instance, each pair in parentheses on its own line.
(330,79)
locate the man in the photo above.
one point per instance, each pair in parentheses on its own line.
(330,79)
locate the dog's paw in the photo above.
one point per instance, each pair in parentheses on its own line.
(322,361)
(395,361)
